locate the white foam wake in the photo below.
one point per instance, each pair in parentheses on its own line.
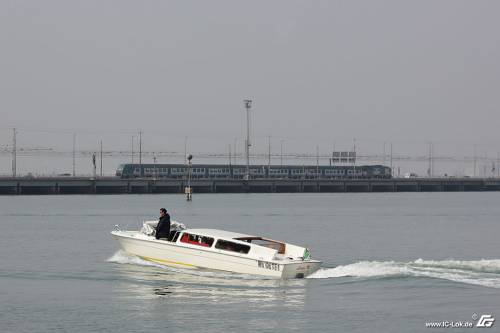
(122,257)
(478,272)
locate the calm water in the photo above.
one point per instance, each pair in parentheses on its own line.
(391,263)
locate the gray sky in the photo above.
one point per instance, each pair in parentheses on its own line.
(319,72)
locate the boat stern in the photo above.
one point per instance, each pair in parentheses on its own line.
(299,270)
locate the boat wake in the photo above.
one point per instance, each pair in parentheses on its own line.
(476,272)
(121,257)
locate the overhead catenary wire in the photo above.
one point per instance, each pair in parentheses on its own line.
(282,155)
(260,154)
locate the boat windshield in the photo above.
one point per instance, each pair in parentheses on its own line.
(269,243)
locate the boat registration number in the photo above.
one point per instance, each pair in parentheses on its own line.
(268,265)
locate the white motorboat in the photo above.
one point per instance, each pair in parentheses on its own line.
(219,250)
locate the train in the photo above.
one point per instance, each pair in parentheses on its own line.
(227,171)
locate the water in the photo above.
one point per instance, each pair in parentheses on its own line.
(392,262)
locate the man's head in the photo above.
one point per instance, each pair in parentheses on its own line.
(163,211)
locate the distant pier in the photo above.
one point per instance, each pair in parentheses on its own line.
(115,185)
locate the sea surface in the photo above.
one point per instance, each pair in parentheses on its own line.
(391,263)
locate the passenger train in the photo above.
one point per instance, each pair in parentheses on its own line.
(225,171)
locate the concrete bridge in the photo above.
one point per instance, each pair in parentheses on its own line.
(114,185)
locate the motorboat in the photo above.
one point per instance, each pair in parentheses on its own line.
(218,250)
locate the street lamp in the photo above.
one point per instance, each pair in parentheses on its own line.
(188,190)
(248,105)
(281,151)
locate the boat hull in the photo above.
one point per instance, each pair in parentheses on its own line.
(172,254)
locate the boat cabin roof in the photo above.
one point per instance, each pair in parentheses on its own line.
(215,233)
(240,238)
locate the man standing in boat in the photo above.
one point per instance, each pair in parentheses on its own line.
(163,228)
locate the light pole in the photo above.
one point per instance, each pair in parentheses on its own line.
(74,144)
(14,154)
(132,149)
(248,105)
(269,156)
(94,168)
(317,162)
(154,169)
(101,158)
(234,149)
(140,153)
(188,190)
(281,151)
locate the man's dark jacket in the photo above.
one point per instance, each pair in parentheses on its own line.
(163,228)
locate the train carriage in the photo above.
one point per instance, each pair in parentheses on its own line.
(224,171)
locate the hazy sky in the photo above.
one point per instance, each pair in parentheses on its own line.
(318,71)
